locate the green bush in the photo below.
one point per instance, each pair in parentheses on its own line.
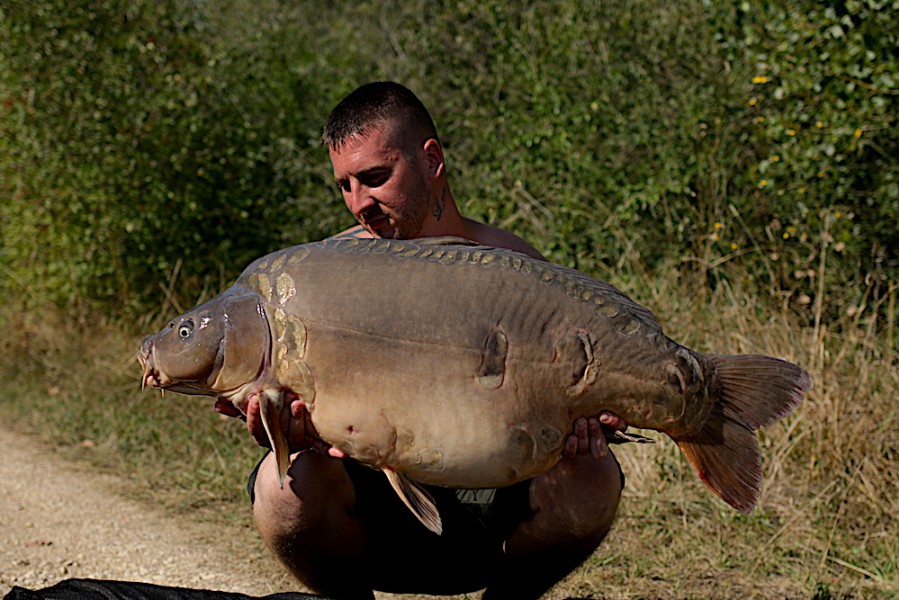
(148,139)
(143,145)
(823,176)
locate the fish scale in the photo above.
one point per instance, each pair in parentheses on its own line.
(439,361)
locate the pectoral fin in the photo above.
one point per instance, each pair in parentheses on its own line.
(417,499)
(270,413)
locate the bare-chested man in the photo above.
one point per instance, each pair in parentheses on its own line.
(338,526)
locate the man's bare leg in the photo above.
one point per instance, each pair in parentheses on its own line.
(574,505)
(308,524)
(346,544)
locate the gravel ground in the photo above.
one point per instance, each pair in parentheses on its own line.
(59,520)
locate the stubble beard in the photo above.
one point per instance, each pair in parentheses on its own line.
(411,222)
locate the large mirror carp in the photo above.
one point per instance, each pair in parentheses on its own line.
(442,362)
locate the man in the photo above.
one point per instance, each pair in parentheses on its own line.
(338,526)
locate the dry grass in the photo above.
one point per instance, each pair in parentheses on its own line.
(825,526)
(826,520)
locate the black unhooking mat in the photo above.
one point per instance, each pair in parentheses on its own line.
(96,589)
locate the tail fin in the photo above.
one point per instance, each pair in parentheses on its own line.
(755,391)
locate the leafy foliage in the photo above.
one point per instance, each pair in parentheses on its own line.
(144,140)
(141,144)
(824,98)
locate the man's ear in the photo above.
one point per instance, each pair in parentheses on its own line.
(434,158)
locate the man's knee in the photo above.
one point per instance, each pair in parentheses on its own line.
(573,509)
(308,524)
(315,495)
(609,484)
(594,519)
(575,504)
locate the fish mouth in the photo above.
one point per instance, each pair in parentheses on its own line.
(151,377)
(155,378)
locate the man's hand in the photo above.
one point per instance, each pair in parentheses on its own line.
(589,437)
(301,433)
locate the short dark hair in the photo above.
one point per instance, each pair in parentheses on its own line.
(383,102)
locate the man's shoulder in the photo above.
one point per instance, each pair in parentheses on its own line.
(473,230)
(500,238)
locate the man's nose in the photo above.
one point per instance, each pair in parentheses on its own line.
(359,199)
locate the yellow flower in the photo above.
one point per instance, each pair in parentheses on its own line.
(759,79)
(791,229)
(733,246)
(715,237)
(791,132)
(837,214)
(718,225)
(803,190)
(763,182)
(786,235)
(858,133)
(760,119)
(775,158)
(752,102)
(819,124)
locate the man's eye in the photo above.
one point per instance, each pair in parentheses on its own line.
(375,180)
(343,186)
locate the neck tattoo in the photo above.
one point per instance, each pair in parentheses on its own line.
(440,205)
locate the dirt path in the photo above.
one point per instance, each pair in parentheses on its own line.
(58,520)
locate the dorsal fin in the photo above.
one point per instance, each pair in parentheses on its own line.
(416,498)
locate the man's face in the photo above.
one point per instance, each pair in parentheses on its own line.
(386,189)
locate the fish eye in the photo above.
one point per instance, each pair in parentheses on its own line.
(186,330)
